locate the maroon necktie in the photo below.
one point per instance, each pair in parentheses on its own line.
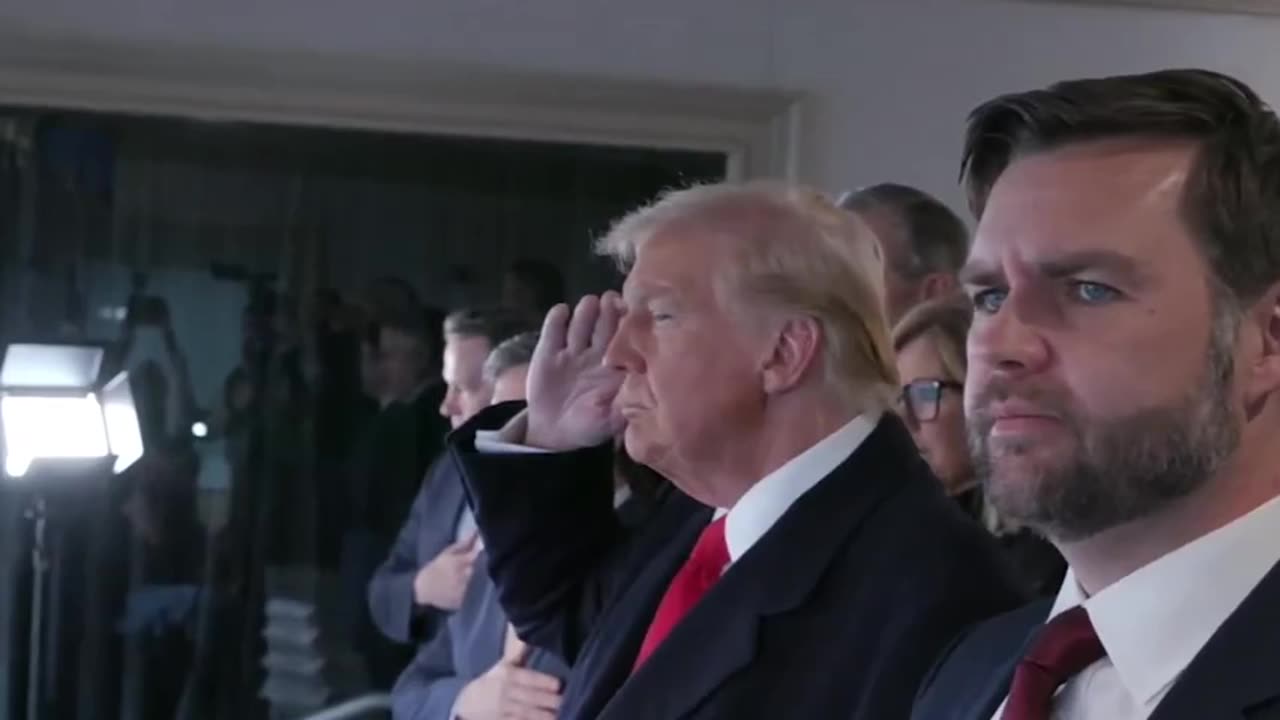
(1064,647)
(703,568)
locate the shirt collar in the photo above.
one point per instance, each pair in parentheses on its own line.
(761,506)
(621,494)
(1154,621)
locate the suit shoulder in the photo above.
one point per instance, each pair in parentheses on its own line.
(973,671)
(993,642)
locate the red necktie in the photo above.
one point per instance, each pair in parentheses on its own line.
(703,568)
(1065,646)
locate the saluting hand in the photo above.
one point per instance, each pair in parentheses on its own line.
(571,389)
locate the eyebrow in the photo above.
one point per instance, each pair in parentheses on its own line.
(1073,263)
(1061,266)
(645,292)
(977,272)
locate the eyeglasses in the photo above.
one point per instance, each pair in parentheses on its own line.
(920,398)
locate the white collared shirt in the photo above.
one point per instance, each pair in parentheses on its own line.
(761,506)
(1154,621)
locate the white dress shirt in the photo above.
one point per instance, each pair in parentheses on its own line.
(761,506)
(1154,621)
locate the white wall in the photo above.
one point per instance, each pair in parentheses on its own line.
(890,80)
(894,79)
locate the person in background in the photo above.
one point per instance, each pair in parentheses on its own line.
(399,447)
(809,564)
(424,575)
(372,375)
(473,668)
(341,411)
(385,296)
(409,432)
(167,551)
(930,346)
(532,286)
(924,242)
(506,370)
(1123,396)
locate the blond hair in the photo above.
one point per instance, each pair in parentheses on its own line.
(946,322)
(796,251)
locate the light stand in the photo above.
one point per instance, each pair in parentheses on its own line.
(59,425)
(39,567)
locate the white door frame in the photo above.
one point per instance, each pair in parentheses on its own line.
(757,130)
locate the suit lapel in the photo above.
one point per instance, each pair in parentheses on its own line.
(996,689)
(719,636)
(716,639)
(1237,674)
(606,663)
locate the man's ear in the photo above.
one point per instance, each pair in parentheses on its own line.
(1264,376)
(794,353)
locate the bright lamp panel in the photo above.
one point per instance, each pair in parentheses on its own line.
(124,436)
(52,427)
(51,366)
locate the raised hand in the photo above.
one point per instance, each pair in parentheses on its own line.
(571,390)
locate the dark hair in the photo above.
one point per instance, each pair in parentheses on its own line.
(495,324)
(1232,200)
(543,280)
(938,238)
(411,321)
(389,295)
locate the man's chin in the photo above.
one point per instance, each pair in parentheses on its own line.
(1011,475)
(643,447)
(637,444)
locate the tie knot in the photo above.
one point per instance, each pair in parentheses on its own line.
(711,552)
(1066,645)
(1062,649)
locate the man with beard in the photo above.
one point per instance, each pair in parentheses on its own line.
(1124,393)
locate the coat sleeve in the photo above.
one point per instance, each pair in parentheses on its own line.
(390,591)
(429,688)
(549,530)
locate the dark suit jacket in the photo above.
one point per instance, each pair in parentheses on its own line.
(837,611)
(430,528)
(403,441)
(1235,677)
(467,645)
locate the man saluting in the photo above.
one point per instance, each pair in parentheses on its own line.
(806,564)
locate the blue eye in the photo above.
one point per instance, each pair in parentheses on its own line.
(1093,293)
(988,302)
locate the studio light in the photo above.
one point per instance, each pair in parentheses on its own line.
(58,421)
(52,408)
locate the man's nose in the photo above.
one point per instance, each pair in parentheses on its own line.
(1010,340)
(621,352)
(449,407)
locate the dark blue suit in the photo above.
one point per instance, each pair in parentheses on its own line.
(467,645)
(429,529)
(1235,677)
(836,612)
